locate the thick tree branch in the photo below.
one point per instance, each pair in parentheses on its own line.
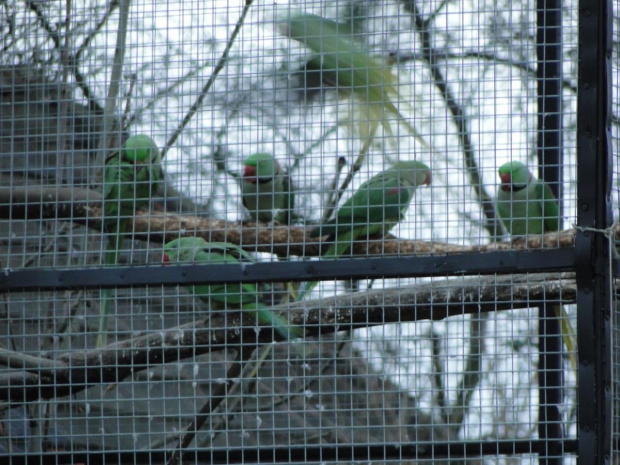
(83,206)
(77,370)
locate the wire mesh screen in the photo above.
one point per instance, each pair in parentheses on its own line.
(291,231)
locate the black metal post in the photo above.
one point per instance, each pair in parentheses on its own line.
(550,369)
(591,248)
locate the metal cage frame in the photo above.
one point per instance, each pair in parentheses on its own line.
(589,259)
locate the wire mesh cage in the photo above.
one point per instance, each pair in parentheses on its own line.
(308,231)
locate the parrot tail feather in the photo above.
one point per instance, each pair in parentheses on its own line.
(568,335)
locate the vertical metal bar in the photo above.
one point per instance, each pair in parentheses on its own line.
(549,74)
(593,211)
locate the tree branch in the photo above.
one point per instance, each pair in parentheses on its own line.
(77,370)
(459,116)
(207,87)
(83,206)
(446,55)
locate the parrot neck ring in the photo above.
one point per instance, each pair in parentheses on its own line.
(513,187)
(508,185)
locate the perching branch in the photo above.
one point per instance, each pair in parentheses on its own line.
(77,370)
(83,206)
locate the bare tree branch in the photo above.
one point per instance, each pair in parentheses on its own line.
(83,206)
(492,225)
(524,66)
(205,90)
(77,370)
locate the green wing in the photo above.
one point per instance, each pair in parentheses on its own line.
(247,296)
(127,187)
(549,207)
(226,295)
(343,60)
(376,206)
(287,214)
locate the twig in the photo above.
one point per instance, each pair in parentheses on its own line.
(164,93)
(354,169)
(35,6)
(447,55)
(73,61)
(79,77)
(472,374)
(434,14)
(342,162)
(91,35)
(493,226)
(205,90)
(9,37)
(132,85)
(219,155)
(316,143)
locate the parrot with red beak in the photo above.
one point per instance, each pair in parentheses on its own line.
(526,206)
(266,190)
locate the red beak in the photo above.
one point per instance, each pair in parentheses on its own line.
(428,178)
(506,181)
(249,174)
(166,259)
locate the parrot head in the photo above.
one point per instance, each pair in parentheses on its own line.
(260,168)
(414,173)
(140,149)
(514,175)
(183,249)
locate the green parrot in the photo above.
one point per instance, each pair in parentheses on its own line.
(340,60)
(526,206)
(267,192)
(375,208)
(246,297)
(130,178)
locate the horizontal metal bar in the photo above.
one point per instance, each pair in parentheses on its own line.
(301,454)
(502,262)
